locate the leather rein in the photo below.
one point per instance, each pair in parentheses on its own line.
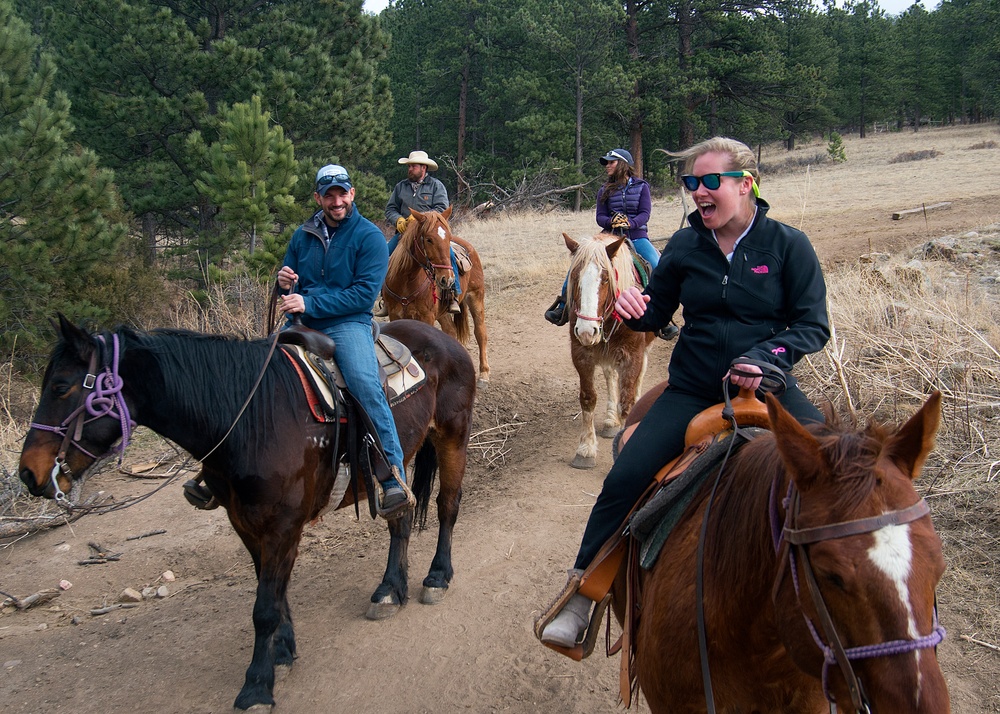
(792,542)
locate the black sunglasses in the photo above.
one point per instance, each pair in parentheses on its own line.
(330,178)
(710,181)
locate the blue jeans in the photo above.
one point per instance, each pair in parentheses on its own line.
(357,362)
(645,249)
(394,241)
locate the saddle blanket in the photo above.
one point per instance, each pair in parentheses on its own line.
(652,524)
(401,374)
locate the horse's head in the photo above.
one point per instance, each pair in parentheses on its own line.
(862,562)
(432,245)
(71,429)
(598,272)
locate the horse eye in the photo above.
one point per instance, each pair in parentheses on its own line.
(60,389)
(835,580)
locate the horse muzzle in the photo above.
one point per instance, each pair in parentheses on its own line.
(36,486)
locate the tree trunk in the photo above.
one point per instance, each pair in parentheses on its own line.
(685,31)
(635,120)
(463,100)
(579,137)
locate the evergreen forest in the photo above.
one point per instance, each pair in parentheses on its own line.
(153,142)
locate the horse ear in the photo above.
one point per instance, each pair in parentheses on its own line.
(799,450)
(446,214)
(76,339)
(417,214)
(909,447)
(570,243)
(613,247)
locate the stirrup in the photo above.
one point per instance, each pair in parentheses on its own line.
(395,508)
(558,313)
(668,333)
(585,648)
(199,496)
(454,308)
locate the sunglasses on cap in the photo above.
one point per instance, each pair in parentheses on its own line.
(338,178)
(710,181)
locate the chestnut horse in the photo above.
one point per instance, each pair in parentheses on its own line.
(271,465)
(420,269)
(601,267)
(819,562)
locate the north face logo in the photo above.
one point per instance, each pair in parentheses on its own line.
(760,270)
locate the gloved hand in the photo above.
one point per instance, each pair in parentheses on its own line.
(400,224)
(619,220)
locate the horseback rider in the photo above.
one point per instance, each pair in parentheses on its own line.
(337,261)
(623,208)
(422,192)
(752,289)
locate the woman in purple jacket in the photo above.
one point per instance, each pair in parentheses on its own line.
(623,208)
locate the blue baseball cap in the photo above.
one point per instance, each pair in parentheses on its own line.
(616,155)
(332,175)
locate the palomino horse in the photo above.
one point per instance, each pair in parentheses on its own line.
(819,569)
(272,465)
(600,269)
(420,269)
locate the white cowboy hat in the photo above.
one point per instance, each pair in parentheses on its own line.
(420,157)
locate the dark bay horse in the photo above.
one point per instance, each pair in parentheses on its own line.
(420,269)
(820,565)
(272,466)
(601,267)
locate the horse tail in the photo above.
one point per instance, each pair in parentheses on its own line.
(461,321)
(425,466)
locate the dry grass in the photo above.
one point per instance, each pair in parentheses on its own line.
(982,145)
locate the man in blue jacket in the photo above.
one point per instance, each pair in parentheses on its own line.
(334,268)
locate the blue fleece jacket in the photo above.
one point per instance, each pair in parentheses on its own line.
(339,281)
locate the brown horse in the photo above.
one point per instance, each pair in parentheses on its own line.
(600,269)
(820,563)
(420,269)
(270,464)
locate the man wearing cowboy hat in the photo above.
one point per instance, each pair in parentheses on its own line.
(422,192)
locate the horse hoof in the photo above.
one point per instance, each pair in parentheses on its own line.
(257,709)
(383,609)
(609,432)
(482,384)
(432,596)
(583,462)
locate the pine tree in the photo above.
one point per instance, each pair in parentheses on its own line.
(60,219)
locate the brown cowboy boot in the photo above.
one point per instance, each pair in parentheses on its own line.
(453,307)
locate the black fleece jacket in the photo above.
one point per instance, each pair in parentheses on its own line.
(769,304)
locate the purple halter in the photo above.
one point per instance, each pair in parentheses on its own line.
(835,654)
(103,399)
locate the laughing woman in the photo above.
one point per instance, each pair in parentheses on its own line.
(752,289)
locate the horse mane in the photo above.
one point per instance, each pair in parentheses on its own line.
(740,512)
(621,269)
(402,259)
(207,378)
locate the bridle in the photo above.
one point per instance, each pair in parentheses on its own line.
(609,312)
(101,397)
(790,543)
(428,267)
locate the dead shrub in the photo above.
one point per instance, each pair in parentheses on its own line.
(982,145)
(914,156)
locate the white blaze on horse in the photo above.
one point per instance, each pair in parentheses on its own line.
(601,268)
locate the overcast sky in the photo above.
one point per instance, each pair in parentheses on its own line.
(892,7)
